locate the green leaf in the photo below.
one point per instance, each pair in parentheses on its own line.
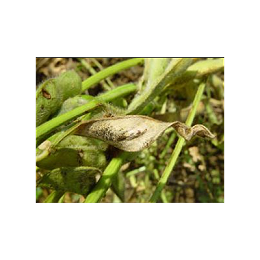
(155,84)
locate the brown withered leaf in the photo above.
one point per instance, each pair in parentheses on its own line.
(133,133)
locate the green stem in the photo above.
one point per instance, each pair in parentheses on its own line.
(109,82)
(169,143)
(50,125)
(163,197)
(163,180)
(54,197)
(110,71)
(93,72)
(118,92)
(106,179)
(195,104)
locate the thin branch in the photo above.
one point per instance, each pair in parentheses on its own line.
(173,159)
(93,72)
(110,71)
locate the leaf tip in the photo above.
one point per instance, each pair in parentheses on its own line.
(189,132)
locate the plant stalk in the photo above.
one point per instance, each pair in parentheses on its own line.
(176,152)
(106,179)
(110,71)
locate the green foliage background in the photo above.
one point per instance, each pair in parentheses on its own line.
(198,175)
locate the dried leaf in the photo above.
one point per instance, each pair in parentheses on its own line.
(133,133)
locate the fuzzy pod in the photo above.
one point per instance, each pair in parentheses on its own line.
(74,151)
(53,92)
(48,101)
(72,103)
(68,84)
(69,179)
